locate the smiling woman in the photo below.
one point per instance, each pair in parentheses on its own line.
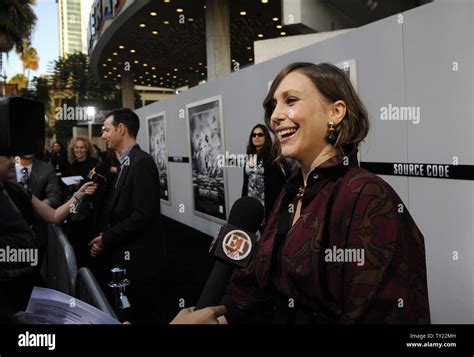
(82,156)
(308,97)
(302,272)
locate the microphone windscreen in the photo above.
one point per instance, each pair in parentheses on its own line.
(101,168)
(247,213)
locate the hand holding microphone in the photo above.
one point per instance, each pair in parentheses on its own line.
(94,181)
(88,189)
(97,174)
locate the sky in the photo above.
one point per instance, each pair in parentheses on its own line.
(45,39)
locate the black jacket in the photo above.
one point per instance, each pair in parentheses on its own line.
(274,179)
(16,279)
(15,232)
(134,239)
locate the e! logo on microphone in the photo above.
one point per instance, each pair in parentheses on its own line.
(237,245)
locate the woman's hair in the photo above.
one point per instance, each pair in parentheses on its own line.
(334,85)
(87,143)
(61,146)
(266,151)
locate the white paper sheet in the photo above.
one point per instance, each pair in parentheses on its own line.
(70,180)
(54,307)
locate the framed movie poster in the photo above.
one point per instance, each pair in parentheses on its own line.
(206,138)
(157,145)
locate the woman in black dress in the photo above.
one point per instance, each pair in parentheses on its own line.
(263,176)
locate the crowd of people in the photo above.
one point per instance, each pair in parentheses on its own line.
(328,202)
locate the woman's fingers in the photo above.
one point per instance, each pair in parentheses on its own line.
(89,188)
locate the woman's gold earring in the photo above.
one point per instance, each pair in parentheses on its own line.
(332,137)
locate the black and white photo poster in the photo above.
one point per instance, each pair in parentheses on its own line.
(157,143)
(207,146)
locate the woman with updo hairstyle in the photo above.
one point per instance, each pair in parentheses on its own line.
(340,246)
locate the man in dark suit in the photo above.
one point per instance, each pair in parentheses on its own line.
(40,178)
(132,238)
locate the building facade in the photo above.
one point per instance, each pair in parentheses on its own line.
(74,18)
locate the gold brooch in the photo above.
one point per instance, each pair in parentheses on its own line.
(299,195)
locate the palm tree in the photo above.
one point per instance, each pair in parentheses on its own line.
(17,20)
(73,85)
(42,91)
(20,80)
(29,57)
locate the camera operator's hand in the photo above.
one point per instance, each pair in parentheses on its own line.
(208,315)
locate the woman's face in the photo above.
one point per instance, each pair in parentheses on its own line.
(300,118)
(80,150)
(258,138)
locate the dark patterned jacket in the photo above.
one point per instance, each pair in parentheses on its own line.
(354,255)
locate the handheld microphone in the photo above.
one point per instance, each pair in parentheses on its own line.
(97,174)
(233,247)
